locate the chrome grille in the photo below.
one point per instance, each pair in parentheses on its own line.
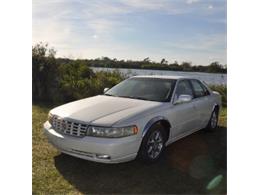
(69,127)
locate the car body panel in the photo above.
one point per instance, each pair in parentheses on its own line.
(102,110)
(184,117)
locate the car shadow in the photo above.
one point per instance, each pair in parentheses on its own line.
(188,166)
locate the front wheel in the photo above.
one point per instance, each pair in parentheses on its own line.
(153,144)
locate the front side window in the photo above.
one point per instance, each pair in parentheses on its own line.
(199,90)
(153,89)
(183,88)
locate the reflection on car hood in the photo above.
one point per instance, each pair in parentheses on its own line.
(103,110)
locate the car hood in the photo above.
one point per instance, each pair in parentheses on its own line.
(103,110)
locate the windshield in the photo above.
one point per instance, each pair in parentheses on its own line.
(153,89)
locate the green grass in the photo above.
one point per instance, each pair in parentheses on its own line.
(223,117)
(46,177)
(188,166)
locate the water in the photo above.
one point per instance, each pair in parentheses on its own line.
(209,78)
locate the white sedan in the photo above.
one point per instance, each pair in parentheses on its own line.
(138,117)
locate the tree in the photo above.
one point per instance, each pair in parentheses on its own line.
(146,59)
(186,66)
(175,63)
(44,72)
(215,67)
(163,61)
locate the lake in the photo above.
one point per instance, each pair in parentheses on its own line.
(209,78)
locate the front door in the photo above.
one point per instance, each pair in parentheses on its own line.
(185,116)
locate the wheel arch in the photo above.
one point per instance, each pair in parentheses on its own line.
(161,120)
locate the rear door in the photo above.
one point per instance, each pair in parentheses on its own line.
(202,102)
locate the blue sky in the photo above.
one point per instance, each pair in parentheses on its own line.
(182,30)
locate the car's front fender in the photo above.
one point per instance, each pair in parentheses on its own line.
(152,122)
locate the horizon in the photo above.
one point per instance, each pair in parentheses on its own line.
(141,60)
(183,31)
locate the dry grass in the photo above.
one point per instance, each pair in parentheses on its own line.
(186,168)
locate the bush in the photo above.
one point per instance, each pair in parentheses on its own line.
(104,79)
(78,81)
(74,80)
(222,89)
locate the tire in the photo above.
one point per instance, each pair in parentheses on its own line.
(153,144)
(213,122)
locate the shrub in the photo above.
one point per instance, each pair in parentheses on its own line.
(78,81)
(74,80)
(104,79)
(222,89)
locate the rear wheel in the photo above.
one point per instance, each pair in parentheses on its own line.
(153,144)
(213,122)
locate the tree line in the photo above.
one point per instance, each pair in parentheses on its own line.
(105,62)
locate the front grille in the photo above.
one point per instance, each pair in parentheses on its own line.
(69,127)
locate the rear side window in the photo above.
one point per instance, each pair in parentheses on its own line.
(206,91)
(199,89)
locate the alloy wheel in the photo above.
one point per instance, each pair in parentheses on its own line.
(155,144)
(214,120)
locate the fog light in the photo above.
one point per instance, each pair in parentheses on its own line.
(103,156)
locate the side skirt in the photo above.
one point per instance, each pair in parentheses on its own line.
(180,136)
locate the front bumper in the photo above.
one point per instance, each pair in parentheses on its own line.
(93,148)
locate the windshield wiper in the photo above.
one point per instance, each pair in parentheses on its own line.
(141,98)
(133,97)
(108,94)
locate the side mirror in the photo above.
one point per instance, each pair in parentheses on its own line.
(105,90)
(183,99)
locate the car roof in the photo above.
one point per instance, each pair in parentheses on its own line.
(163,77)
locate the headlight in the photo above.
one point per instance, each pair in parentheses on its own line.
(112,132)
(50,118)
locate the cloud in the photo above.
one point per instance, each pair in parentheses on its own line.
(92,29)
(147,4)
(192,1)
(199,48)
(210,7)
(95,36)
(201,42)
(102,25)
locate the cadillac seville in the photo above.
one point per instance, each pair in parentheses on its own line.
(137,118)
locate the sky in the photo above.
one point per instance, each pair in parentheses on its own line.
(177,30)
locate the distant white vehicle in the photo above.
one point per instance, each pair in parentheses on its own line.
(138,117)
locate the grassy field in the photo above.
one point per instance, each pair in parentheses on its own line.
(193,165)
